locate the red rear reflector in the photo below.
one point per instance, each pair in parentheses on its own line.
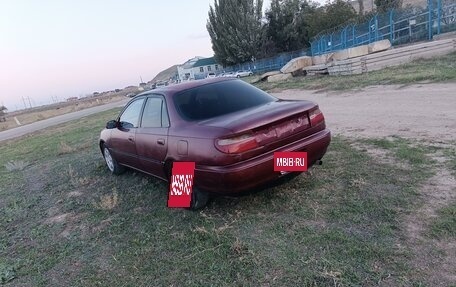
(236,144)
(316,117)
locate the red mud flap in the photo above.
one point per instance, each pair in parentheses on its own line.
(181,186)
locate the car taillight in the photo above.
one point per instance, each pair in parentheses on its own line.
(316,117)
(237,144)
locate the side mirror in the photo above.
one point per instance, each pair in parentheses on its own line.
(112,124)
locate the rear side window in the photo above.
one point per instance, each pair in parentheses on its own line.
(218,99)
(155,114)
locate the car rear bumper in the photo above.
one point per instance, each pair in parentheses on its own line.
(257,171)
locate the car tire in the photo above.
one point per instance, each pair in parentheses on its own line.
(238,76)
(199,199)
(113,166)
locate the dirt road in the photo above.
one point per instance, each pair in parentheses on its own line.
(426,111)
(36,126)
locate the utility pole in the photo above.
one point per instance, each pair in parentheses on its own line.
(23,100)
(30,103)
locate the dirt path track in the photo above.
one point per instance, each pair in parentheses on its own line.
(426,111)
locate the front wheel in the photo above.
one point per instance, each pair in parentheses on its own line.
(111,163)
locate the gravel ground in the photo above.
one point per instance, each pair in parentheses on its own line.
(426,111)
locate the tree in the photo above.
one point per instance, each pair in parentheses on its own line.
(267,47)
(330,16)
(447,11)
(287,25)
(361,7)
(235,29)
(386,5)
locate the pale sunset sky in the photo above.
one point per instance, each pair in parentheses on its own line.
(62,48)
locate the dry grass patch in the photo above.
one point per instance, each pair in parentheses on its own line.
(108,201)
(15,165)
(65,148)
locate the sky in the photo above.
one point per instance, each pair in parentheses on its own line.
(56,49)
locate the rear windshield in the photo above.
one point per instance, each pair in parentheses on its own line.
(216,99)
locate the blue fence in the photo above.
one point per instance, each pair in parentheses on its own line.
(268,64)
(398,26)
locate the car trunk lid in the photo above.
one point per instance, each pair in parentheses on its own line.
(266,127)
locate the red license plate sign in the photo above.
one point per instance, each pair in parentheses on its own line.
(290,161)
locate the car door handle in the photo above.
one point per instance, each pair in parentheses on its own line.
(161,141)
(131,139)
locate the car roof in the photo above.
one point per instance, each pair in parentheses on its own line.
(186,86)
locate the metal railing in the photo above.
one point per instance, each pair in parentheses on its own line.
(268,64)
(398,26)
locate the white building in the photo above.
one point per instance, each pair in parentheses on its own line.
(198,68)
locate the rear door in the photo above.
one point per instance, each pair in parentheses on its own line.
(123,138)
(152,136)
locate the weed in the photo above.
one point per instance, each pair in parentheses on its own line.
(64,148)
(445,224)
(450,154)
(108,201)
(7,273)
(40,117)
(16,165)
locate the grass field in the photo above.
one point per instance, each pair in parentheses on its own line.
(439,69)
(65,221)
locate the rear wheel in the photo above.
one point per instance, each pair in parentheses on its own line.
(111,162)
(199,199)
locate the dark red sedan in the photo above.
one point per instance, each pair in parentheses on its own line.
(229,128)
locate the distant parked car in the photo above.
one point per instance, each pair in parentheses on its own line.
(160,85)
(243,73)
(230,75)
(211,75)
(229,128)
(130,95)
